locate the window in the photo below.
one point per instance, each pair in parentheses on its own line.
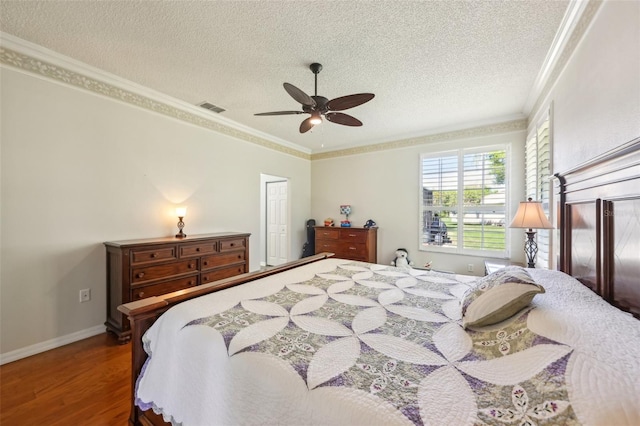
(537,181)
(463,199)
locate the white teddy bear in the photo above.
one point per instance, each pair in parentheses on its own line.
(402,259)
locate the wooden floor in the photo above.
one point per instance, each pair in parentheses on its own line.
(84,383)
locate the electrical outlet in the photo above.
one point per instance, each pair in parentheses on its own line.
(85,295)
(470,267)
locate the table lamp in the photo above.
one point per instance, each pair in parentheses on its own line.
(181,212)
(530,215)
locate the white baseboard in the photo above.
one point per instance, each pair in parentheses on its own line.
(50,344)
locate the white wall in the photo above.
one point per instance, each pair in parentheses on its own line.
(596,99)
(596,107)
(79,169)
(384,186)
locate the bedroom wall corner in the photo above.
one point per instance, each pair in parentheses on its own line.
(596,96)
(78,169)
(384,186)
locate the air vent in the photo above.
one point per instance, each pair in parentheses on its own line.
(211,107)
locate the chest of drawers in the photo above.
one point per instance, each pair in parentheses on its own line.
(137,269)
(348,243)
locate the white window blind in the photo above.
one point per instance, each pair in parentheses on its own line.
(463,199)
(537,182)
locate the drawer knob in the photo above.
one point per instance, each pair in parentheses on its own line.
(239,256)
(197,248)
(154,255)
(205,278)
(191,266)
(232,244)
(205,263)
(140,274)
(141,294)
(352,235)
(352,248)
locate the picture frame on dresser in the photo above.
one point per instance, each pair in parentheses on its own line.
(142,268)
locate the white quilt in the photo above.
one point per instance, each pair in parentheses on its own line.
(348,343)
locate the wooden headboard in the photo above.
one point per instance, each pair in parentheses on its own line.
(599,212)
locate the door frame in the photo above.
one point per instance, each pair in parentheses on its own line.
(264,179)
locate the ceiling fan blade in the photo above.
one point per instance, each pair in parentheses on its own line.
(341,118)
(299,95)
(280,113)
(306,125)
(349,101)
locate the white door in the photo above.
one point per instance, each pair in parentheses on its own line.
(277,223)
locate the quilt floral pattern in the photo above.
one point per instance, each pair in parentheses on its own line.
(397,335)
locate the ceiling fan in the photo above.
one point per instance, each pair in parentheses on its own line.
(319,106)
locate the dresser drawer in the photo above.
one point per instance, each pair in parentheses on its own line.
(163,271)
(236,244)
(147,267)
(218,274)
(327,245)
(355,251)
(153,254)
(141,292)
(327,233)
(347,243)
(198,249)
(355,236)
(222,259)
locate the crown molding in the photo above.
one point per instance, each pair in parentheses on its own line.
(473,132)
(579,15)
(37,60)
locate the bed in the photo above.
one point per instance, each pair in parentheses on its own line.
(333,341)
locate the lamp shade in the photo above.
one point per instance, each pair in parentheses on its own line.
(530,215)
(181,211)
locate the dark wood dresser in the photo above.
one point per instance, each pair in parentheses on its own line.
(348,243)
(137,269)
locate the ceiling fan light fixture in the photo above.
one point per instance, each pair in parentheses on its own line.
(318,106)
(315,118)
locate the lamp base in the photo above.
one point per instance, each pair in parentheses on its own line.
(180,234)
(531,248)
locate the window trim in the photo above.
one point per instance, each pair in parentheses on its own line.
(459,248)
(540,182)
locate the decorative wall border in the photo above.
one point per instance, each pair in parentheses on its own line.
(49,70)
(46,69)
(474,132)
(583,21)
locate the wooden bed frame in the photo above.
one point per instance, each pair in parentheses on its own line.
(599,212)
(599,227)
(143,313)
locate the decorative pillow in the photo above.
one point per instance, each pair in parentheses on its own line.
(498,296)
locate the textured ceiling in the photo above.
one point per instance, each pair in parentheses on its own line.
(433,65)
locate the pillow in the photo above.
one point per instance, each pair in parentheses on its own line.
(498,296)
